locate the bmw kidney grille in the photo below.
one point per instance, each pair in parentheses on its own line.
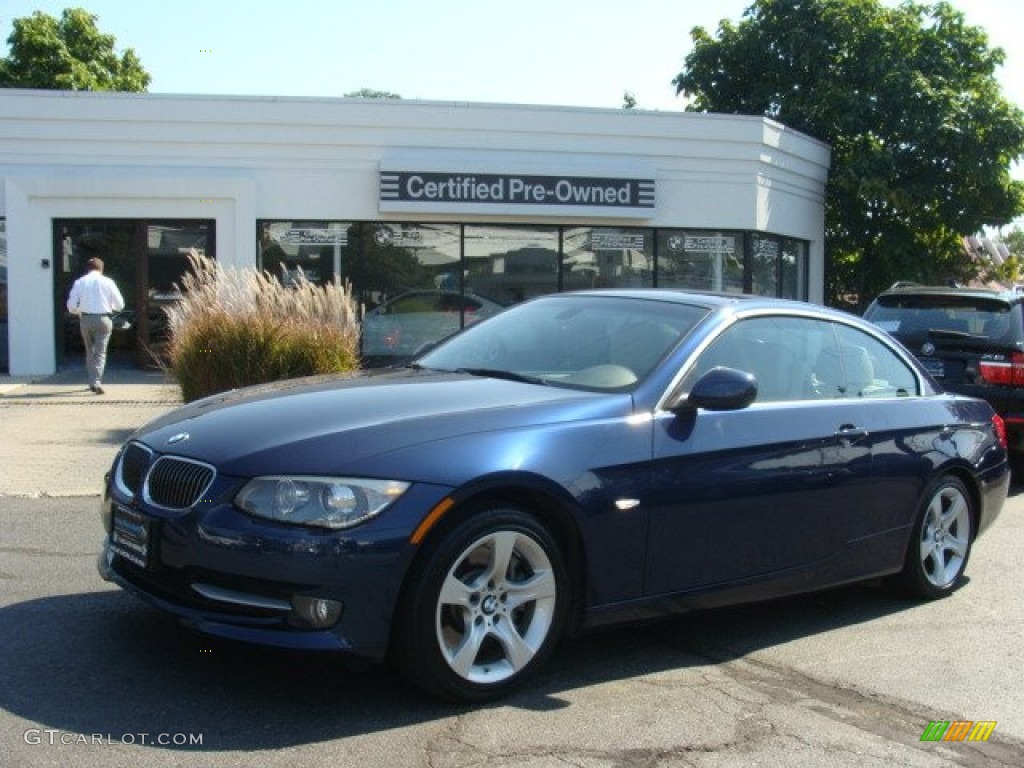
(170,482)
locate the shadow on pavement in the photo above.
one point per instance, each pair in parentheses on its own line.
(105,663)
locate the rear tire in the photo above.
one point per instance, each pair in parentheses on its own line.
(940,543)
(483,608)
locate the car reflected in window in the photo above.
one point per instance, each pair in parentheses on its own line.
(400,328)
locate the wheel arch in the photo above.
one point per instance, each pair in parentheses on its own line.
(970,482)
(916,579)
(964,475)
(549,502)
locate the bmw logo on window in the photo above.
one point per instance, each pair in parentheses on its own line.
(384,236)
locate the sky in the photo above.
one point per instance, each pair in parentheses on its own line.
(561,52)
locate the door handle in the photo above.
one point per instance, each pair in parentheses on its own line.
(849,433)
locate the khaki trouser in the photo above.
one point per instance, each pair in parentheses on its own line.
(96,330)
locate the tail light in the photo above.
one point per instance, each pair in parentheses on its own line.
(1005,372)
(999,427)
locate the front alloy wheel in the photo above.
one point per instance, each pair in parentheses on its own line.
(486,607)
(496,607)
(938,552)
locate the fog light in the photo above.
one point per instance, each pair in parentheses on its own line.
(318,612)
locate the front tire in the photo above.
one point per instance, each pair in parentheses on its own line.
(941,541)
(484,607)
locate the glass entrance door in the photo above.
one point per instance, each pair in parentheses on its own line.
(146,258)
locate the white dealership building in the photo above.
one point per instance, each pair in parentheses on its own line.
(448,200)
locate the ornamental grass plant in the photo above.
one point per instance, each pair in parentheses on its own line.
(234,327)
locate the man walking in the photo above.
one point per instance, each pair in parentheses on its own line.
(94,298)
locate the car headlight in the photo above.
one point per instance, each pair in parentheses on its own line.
(325,502)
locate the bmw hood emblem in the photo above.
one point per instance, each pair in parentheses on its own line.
(927,349)
(178,438)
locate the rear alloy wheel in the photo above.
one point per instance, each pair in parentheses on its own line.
(486,608)
(941,543)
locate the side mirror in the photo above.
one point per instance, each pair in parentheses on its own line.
(720,389)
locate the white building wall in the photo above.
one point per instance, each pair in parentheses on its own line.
(240,159)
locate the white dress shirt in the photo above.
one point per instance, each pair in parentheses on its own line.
(95,294)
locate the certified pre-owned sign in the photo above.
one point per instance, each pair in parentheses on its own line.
(445,191)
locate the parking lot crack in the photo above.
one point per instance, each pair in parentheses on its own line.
(470,741)
(895,721)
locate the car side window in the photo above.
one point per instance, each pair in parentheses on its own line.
(862,366)
(777,351)
(801,358)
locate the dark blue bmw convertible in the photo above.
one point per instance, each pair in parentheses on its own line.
(576,460)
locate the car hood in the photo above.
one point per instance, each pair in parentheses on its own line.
(322,424)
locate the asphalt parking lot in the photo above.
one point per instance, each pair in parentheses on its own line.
(91,676)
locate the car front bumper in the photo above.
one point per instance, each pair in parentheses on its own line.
(227,574)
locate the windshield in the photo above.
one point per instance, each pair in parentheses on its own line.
(590,342)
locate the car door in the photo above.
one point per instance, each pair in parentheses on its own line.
(900,423)
(745,494)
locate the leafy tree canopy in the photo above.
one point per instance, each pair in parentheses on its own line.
(1014,241)
(922,138)
(70,54)
(370,93)
(1012,268)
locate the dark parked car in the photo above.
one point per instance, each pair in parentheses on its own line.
(576,460)
(970,339)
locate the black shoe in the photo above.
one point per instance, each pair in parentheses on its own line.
(98,390)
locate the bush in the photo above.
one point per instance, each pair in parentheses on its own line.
(236,327)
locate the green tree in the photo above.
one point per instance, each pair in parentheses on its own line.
(922,138)
(1014,242)
(1012,269)
(70,54)
(370,93)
